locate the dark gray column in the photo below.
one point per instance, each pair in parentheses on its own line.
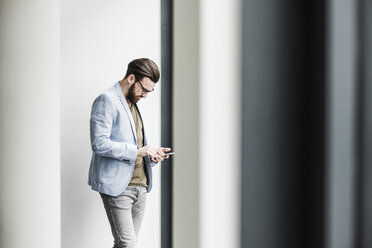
(364,176)
(166,122)
(272,124)
(283,128)
(302,124)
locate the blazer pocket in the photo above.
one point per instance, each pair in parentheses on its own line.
(109,168)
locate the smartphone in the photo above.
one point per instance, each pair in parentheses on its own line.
(169,153)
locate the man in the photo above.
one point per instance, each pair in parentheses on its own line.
(120,169)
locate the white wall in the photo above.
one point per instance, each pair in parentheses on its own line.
(29,124)
(98,40)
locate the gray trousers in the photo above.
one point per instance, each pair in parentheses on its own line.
(125,214)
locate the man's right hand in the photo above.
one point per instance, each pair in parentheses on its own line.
(149,151)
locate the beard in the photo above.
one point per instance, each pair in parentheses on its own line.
(131,96)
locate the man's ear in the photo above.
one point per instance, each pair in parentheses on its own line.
(131,79)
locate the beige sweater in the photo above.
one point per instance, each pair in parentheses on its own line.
(139,176)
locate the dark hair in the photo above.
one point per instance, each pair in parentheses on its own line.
(143,67)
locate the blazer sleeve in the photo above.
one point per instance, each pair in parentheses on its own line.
(101,121)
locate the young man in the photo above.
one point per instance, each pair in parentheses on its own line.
(120,169)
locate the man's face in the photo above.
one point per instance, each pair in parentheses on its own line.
(136,92)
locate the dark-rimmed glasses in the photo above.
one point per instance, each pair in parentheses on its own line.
(144,90)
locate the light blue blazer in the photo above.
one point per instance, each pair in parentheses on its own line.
(114,144)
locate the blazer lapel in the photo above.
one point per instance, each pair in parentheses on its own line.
(127,110)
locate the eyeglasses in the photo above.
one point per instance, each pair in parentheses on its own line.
(144,90)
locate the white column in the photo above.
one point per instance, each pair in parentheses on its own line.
(220,123)
(206,123)
(29,124)
(186,124)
